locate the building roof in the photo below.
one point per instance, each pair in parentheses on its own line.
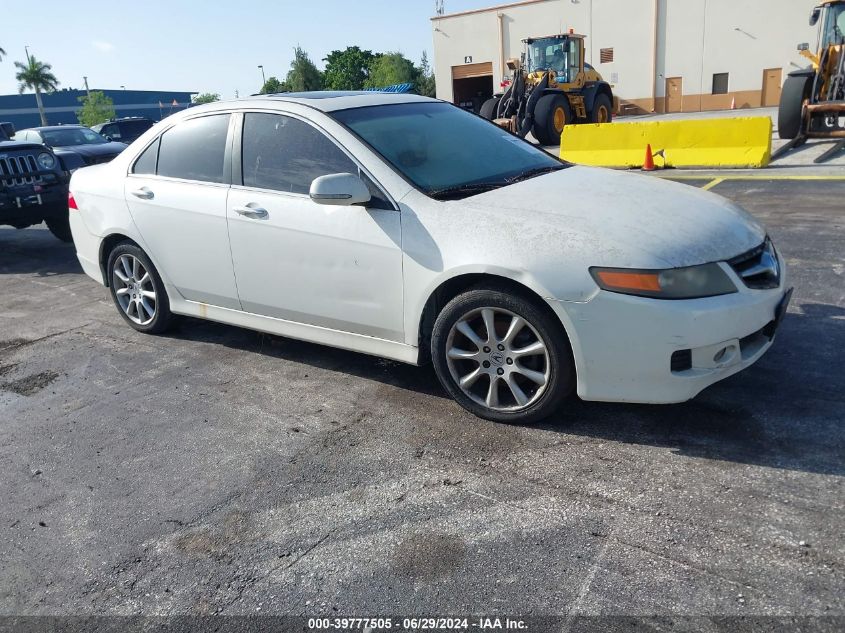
(486,9)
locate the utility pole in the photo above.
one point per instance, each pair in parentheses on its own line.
(263,79)
(87,92)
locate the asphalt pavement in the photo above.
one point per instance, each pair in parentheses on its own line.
(218,470)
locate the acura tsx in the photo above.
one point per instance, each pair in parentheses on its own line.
(407,228)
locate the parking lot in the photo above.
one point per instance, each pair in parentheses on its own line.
(218,470)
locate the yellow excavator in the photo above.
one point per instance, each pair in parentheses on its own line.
(551,87)
(812,103)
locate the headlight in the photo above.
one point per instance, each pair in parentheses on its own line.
(692,282)
(46,161)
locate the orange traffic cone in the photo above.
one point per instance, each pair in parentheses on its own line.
(648,164)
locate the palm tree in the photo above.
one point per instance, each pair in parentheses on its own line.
(38,76)
(2,52)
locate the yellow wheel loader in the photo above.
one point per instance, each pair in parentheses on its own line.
(812,103)
(552,87)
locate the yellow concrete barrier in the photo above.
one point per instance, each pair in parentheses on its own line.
(735,142)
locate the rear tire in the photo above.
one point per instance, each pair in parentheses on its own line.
(551,114)
(602,111)
(795,90)
(137,290)
(529,368)
(60,227)
(488,108)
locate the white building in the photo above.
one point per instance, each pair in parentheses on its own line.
(659,55)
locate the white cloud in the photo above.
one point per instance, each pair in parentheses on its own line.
(103,47)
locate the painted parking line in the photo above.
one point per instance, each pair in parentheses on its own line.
(747,177)
(712,183)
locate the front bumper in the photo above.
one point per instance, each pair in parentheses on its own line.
(26,205)
(624,345)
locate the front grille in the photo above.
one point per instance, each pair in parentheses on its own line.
(759,267)
(20,169)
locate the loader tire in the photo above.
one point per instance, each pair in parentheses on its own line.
(488,108)
(795,90)
(551,114)
(602,111)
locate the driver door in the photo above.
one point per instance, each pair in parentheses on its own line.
(338,267)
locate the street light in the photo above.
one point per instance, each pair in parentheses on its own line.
(263,79)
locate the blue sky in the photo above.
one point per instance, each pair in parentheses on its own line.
(206,46)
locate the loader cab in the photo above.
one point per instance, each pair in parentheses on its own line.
(561,54)
(833,27)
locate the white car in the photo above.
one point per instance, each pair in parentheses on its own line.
(407,228)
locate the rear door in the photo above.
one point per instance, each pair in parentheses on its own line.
(176,193)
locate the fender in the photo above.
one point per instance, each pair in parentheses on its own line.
(591,90)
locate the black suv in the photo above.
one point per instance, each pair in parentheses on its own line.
(75,145)
(125,129)
(33,185)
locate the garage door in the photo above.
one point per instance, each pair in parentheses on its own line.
(472,70)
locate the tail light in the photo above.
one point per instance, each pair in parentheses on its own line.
(71,203)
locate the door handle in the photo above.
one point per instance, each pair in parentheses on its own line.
(143,193)
(251,211)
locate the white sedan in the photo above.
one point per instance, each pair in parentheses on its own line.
(407,228)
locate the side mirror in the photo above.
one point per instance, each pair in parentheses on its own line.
(339,190)
(803,46)
(814,16)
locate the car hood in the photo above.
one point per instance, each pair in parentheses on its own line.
(112,148)
(624,213)
(19,145)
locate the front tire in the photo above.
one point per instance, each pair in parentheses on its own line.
(488,108)
(502,357)
(551,114)
(795,90)
(60,227)
(137,289)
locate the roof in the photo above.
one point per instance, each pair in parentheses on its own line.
(486,9)
(326,101)
(47,128)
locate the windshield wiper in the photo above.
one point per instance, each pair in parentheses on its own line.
(466,190)
(531,173)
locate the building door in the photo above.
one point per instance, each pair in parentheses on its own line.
(674,94)
(472,85)
(771,87)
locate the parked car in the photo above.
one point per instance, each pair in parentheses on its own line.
(408,228)
(33,186)
(125,129)
(75,145)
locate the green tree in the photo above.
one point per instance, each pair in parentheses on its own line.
(36,76)
(273,86)
(96,108)
(388,69)
(303,74)
(347,69)
(426,85)
(205,97)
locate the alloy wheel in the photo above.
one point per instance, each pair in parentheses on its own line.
(134,290)
(498,359)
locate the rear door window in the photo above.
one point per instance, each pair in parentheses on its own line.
(195,149)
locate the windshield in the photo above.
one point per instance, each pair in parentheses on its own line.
(559,54)
(834,29)
(71,136)
(443,149)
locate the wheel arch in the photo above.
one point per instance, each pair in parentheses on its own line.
(593,90)
(107,246)
(450,288)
